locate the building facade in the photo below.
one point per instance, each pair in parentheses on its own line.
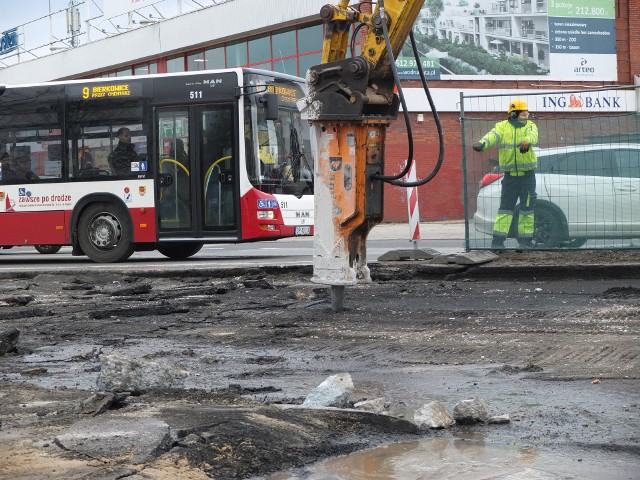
(286,36)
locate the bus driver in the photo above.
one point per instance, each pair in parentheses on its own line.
(122,156)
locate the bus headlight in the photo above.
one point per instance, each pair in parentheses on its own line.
(265,215)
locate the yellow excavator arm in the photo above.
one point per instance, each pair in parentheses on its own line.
(400,15)
(360,86)
(350,103)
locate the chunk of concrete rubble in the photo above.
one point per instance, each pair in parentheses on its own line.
(499,419)
(408,254)
(119,373)
(9,340)
(433,415)
(376,405)
(100,402)
(109,437)
(466,258)
(470,411)
(333,392)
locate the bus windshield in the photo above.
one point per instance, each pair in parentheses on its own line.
(279,155)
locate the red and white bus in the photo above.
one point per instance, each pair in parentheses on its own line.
(167,162)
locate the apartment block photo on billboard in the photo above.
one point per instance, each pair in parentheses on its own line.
(514,38)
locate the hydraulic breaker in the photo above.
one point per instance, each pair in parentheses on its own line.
(350,104)
(350,202)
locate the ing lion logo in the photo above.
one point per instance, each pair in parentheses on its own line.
(575,101)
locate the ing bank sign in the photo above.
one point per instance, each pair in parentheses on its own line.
(597,101)
(9,41)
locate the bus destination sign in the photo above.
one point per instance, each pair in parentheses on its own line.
(286,94)
(98,91)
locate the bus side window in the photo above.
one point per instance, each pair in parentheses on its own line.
(53,163)
(21,164)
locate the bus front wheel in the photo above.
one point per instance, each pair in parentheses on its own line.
(104,233)
(179,251)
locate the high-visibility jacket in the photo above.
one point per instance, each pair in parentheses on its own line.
(508,135)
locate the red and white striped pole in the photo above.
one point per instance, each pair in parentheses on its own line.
(412,205)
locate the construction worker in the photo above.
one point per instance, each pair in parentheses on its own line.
(517,160)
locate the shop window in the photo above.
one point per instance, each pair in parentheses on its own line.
(307,61)
(284,44)
(142,69)
(175,64)
(286,65)
(259,50)
(214,58)
(123,72)
(195,61)
(236,54)
(310,39)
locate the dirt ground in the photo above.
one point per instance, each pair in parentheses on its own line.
(559,355)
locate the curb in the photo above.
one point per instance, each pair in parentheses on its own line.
(384,271)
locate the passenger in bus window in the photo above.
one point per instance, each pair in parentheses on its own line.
(16,167)
(85,158)
(124,153)
(6,173)
(180,153)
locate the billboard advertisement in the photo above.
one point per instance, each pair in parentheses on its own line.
(514,39)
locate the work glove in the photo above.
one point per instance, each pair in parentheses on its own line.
(524,147)
(478,146)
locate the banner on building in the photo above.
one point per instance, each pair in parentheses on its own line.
(533,39)
(8,41)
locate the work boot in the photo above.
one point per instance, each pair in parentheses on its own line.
(525,243)
(497,244)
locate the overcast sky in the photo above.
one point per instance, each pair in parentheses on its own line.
(40,36)
(18,12)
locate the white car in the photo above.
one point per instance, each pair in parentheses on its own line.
(584,192)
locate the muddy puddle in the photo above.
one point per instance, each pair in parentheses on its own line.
(467,458)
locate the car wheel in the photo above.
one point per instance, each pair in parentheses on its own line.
(48,249)
(549,228)
(179,251)
(574,243)
(104,233)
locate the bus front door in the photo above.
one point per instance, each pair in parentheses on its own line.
(219,169)
(197,169)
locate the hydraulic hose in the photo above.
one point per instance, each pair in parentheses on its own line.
(394,179)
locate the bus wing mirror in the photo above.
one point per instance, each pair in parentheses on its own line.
(270,103)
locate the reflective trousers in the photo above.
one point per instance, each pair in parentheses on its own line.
(516,186)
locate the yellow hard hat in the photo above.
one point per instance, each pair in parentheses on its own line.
(517,104)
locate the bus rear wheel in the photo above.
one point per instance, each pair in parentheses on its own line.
(104,233)
(48,249)
(179,251)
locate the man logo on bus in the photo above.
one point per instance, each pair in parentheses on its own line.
(23,192)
